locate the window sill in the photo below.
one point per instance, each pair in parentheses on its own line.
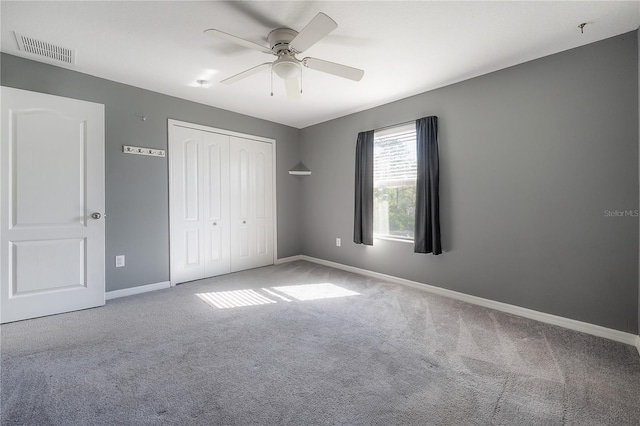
(400,240)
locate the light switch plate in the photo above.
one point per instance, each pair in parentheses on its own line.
(120,261)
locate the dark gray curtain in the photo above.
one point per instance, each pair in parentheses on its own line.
(427,228)
(363,212)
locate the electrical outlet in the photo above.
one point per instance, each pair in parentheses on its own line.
(338,242)
(120,261)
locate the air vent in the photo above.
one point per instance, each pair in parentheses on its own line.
(45,49)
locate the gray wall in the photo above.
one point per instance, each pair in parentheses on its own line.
(531,157)
(137,223)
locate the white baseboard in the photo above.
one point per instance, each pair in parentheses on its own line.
(136,290)
(289,259)
(571,324)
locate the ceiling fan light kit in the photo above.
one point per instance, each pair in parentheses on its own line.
(286,67)
(286,43)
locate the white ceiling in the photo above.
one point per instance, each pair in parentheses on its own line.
(405,47)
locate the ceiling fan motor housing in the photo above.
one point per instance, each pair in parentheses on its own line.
(279,39)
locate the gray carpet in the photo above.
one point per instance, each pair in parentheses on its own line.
(388,355)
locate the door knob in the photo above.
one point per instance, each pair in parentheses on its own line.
(244,221)
(96,215)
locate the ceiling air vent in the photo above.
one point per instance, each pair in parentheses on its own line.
(45,50)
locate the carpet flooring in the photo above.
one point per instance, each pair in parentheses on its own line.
(304,344)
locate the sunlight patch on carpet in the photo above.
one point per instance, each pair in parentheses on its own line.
(279,296)
(303,292)
(234,298)
(315,291)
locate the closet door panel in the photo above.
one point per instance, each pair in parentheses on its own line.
(191,179)
(186,205)
(240,203)
(192,246)
(261,239)
(251,204)
(244,250)
(263,203)
(216,201)
(214,187)
(244,191)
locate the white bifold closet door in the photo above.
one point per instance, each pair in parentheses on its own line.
(251,204)
(221,197)
(199,204)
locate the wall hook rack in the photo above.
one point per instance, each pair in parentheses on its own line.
(138,150)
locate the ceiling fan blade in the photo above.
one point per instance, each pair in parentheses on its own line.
(293,88)
(343,71)
(246,73)
(238,40)
(320,26)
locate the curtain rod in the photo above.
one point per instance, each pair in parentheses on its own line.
(396,125)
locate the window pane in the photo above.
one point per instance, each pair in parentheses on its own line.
(394,211)
(394,183)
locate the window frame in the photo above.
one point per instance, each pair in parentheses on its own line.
(385,133)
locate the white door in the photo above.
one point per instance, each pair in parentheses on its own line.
(52,205)
(216,204)
(251,171)
(199,190)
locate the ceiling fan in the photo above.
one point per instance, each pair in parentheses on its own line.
(286,43)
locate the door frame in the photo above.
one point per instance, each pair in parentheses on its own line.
(172,122)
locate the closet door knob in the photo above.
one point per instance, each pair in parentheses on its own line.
(244,221)
(215,223)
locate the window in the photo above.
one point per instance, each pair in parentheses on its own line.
(394,182)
